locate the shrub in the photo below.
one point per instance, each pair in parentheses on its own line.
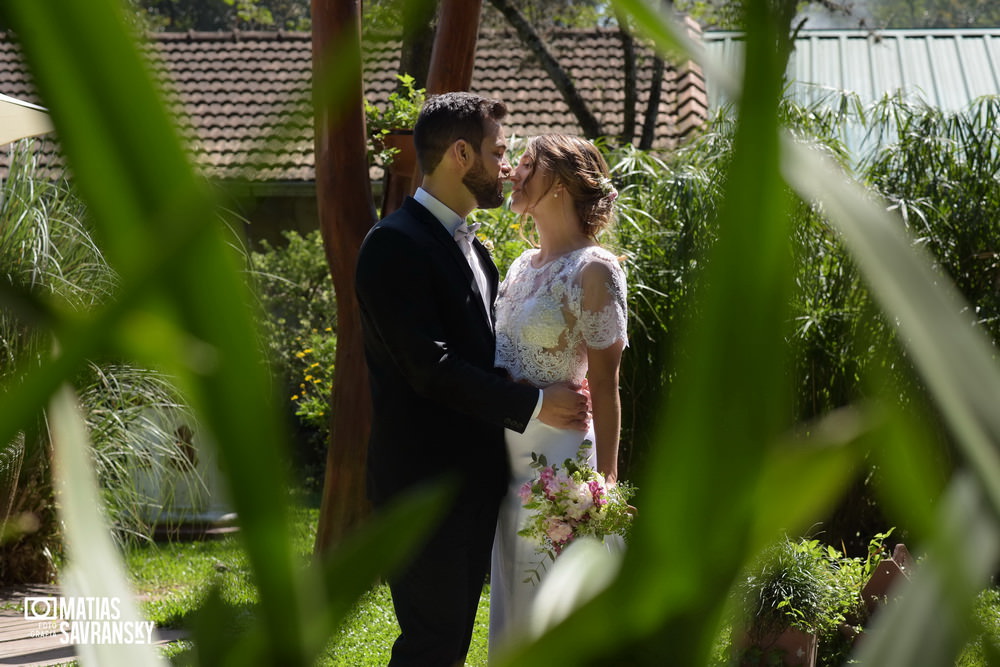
(666,213)
(940,170)
(315,374)
(293,284)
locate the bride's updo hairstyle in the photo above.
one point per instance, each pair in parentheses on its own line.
(580,167)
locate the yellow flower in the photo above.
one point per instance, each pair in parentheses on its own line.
(300,354)
(295,397)
(308,378)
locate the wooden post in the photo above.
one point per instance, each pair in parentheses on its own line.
(346,213)
(454,55)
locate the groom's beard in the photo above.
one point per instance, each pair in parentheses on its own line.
(488,190)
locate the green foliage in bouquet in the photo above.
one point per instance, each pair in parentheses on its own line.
(572,501)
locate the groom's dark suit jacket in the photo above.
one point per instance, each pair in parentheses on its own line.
(439,404)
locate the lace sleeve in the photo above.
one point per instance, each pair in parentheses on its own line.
(603,314)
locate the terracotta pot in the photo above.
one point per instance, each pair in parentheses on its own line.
(796,648)
(405,161)
(889,573)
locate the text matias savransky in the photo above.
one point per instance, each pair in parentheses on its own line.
(86,620)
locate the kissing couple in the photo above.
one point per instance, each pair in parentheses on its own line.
(470,376)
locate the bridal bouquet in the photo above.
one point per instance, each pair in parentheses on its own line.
(569,501)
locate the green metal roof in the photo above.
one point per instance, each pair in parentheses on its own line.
(945,68)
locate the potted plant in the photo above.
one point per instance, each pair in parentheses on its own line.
(390,129)
(390,132)
(797,596)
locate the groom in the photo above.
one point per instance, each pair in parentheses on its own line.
(440,407)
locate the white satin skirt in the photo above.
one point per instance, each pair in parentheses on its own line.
(512,583)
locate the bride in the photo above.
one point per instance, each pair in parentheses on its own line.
(560,317)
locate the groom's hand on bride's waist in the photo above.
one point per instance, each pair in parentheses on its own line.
(565,406)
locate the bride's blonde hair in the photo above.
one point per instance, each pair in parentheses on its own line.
(580,167)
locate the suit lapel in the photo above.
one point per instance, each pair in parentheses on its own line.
(492,273)
(440,235)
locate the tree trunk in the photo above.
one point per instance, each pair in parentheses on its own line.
(652,105)
(631,95)
(454,54)
(346,213)
(418,40)
(415,60)
(588,122)
(648,135)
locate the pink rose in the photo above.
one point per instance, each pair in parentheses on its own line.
(525,492)
(559,532)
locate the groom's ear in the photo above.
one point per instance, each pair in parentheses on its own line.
(462,151)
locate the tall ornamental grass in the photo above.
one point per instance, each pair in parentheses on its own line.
(731,469)
(668,218)
(941,172)
(937,169)
(53,267)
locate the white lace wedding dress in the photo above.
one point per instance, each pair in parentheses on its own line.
(543,332)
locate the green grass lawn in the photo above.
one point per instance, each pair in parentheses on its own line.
(173,578)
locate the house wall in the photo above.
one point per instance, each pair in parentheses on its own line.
(269,211)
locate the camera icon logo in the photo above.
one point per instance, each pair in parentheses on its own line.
(41,609)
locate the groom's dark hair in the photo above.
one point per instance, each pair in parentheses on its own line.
(449,117)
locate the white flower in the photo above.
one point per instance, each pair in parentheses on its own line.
(607,188)
(580,500)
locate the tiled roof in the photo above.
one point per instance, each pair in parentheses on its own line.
(243,98)
(16,82)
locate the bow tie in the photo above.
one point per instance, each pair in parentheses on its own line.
(466,231)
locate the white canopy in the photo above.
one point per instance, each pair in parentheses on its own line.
(20,119)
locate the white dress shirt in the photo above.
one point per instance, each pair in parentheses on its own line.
(452,221)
